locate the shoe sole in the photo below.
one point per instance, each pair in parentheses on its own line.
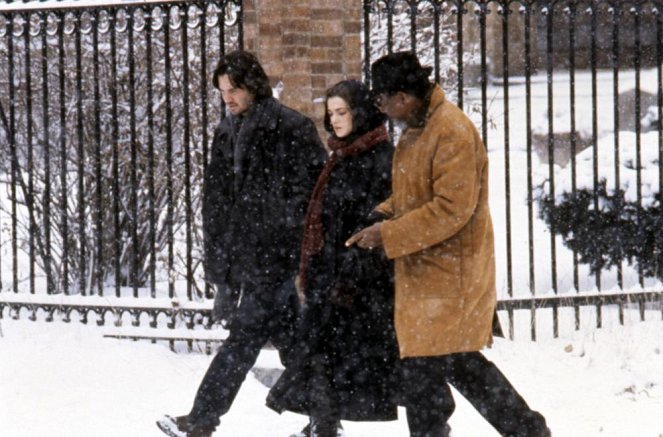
(166,426)
(339,433)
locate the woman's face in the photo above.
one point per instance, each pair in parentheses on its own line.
(340,116)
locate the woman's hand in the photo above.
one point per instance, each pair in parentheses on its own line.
(343,294)
(367,238)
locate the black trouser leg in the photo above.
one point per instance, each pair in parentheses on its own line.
(255,321)
(493,396)
(225,375)
(323,404)
(426,396)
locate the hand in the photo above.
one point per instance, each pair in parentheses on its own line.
(300,290)
(225,304)
(343,294)
(367,238)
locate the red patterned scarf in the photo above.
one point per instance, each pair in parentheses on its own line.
(313,240)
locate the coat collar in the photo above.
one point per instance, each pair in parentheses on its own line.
(437,98)
(434,100)
(262,114)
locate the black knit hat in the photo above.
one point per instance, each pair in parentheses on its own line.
(400,71)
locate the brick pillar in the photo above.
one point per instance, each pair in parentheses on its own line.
(308,45)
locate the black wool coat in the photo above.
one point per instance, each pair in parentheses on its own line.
(257,184)
(347,319)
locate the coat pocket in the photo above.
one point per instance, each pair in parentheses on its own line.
(427,326)
(435,272)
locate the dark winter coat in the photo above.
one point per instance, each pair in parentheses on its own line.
(262,169)
(348,314)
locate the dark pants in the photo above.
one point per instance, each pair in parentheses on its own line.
(254,325)
(429,402)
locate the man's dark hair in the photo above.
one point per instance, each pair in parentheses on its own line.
(244,71)
(365,116)
(400,71)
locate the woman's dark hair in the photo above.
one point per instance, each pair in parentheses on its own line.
(365,115)
(244,71)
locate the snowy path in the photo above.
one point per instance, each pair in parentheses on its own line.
(63,380)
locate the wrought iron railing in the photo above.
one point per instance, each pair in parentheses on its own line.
(102,189)
(556,88)
(107,113)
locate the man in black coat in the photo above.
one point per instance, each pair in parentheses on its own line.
(265,158)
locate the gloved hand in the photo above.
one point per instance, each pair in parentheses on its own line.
(225,304)
(342,294)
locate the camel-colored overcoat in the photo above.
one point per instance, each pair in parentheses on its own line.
(440,235)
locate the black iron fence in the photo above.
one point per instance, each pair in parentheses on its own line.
(568,97)
(107,114)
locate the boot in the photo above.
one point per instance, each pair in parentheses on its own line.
(323,427)
(441,431)
(531,424)
(306,431)
(543,432)
(181,427)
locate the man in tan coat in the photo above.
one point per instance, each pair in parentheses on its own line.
(438,230)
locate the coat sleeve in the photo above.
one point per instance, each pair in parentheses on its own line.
(217,197)
(305,160)
(456,184)
(304,157)
(386,208)
(368,265)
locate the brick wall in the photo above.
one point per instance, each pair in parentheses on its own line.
(308,45)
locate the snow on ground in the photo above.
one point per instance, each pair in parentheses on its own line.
(65,380)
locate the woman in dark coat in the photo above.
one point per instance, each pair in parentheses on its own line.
(344,366)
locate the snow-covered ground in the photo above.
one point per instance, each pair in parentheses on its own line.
(66,380)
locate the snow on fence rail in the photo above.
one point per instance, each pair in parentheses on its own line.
(168,310)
